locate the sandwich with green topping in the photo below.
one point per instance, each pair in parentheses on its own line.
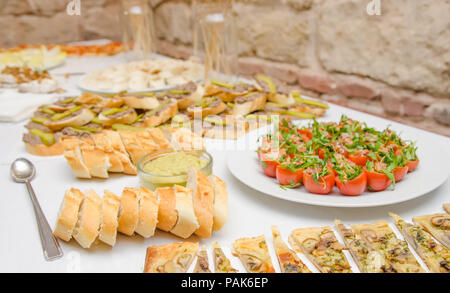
(186,94)
(227,92)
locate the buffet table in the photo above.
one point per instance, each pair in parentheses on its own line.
(251,213)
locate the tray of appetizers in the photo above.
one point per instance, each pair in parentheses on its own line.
(341,164)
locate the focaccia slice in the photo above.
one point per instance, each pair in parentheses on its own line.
(321,247)
(254,254)
(221,262)
(437,225)
(202,265)
(395,251)
(368,259)
(170,258)
(288,259)
(435,256)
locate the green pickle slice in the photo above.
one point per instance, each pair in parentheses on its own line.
(222,84)
(59,116)
(268,81)
(47,138)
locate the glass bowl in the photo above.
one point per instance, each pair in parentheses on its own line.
(153,181)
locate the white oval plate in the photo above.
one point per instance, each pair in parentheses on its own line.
(147,90)
(245,166)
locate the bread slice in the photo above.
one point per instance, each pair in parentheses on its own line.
(187,222)
(220,211)
(41,149)
(110,212)
(96,160)
(148,213)
(78,118)
(74,157)
(159,137)
(68,214)
(125,117)
(184,139)
(213,106)
(129,211)
(249,103)
(203,195)
(88,225)
(161,115)
(191,98)
(103,142)
(95,100)
(167,214)
(170,258)
(141,102)
(138,144)
(119,148)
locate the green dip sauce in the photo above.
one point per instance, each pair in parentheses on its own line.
(174,164)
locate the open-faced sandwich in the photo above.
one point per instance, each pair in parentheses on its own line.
(227,92)
(437,225)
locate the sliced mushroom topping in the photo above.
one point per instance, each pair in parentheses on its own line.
(370,235)
(309,244)
(252,263)
(442,221)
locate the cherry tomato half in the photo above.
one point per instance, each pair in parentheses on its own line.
(412,165)
(324,186)
(400,173)
(377,181)
(353,187)
(269,168)
(288,177)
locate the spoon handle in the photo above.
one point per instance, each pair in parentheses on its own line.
(50,244)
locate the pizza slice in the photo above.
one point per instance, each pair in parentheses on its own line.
(288,259)
(437,225)
(321,247)
(202,265)
(435,256)
(368,259)
(446,207)
(395,251)
(221,262)
(254,254)
(170,258)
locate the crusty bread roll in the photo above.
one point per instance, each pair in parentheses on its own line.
(187,222)
(68,214)
(103,142)
(137,143)
(148,213)
(167,214)
(129,211)
(141,102)
(74,157)
(96,160)
(41,149)
(203,195)
(109,223)
(88,225)
(117,145)
(220,212)
(79,118)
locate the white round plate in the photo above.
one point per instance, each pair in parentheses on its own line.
(147,90)
(245,166)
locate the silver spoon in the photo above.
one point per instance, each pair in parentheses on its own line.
(23,171)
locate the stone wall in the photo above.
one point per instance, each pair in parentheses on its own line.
(396,65)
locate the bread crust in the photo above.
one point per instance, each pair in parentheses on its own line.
(170,258)
(250,106)
(159,137)
(119,148)
(103,142)
(68,214)
(126,119)
(96,160)
(203,195)
(110,212)
(187,222)
(41,149)
(129,211)
(163,116)
(99,101)
(220,211)
(148,213)
(137,144)
(84,117)
(74,157)
(146,103)
(208,110)
(254,254)
(88,224)
(167,214)
(192,98)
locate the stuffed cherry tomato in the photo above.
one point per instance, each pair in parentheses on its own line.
(288,177)
(353,187)
(323,184)
(412,165)
(269,168)
(359,158)
(377,181)
(400,173)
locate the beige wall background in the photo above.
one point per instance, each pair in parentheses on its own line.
(395,65)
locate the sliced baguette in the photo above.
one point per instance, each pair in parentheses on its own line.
(129,211)
(41,149)
(99,101)
(187,222)
(103,142)
(148,213)
(167,214)
(68,214)
(74,157)
(217,106)
(88,225)
(96,160)
(159,116)
(126,117)
(184,139)
(159,137)
(247,104)
(220,211)
(203,195)
(137,144)
(119,148)
(191,98)
(109,224)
